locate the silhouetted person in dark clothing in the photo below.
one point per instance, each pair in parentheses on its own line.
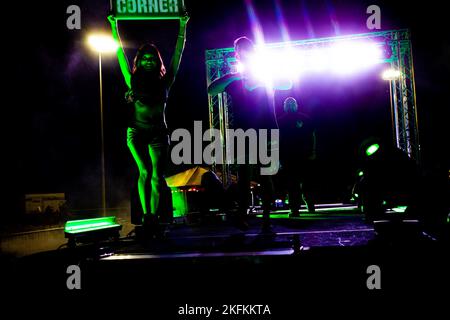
(297,151)
(253,108)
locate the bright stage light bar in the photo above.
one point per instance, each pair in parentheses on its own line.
(350,57)
(340,58)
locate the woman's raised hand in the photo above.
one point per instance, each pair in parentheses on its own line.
(184,19)
(112,19)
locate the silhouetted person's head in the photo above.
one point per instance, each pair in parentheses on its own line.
(290,105)
(148,59)
(244,49)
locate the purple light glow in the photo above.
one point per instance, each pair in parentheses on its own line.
(254,22)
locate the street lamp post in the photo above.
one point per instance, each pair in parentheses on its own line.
(102,44)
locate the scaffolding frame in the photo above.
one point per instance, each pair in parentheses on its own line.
(398,49)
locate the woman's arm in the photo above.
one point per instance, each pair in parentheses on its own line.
(179,48)
(219,85)
(123,61)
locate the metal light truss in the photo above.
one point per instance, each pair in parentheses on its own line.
(397,45)
(219,62)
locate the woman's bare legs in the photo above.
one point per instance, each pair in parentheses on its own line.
(158,156)
(142,163)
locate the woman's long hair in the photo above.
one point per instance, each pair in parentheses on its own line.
(152,49)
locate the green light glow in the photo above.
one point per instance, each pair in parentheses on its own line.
(360,173)
(399,209)
(372,149)
(179,203)
(78,226)
(92,229)
(88,226)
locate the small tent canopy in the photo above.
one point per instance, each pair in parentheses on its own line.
(182,181)
(189,178)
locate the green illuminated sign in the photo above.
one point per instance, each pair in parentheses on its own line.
(147,9)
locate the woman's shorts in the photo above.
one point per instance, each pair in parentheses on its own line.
(155,137)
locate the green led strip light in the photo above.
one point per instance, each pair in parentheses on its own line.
(79,226)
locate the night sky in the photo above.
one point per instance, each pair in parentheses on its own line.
(52,131)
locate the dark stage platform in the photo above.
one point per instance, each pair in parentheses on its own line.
(331,225)
(211,261)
